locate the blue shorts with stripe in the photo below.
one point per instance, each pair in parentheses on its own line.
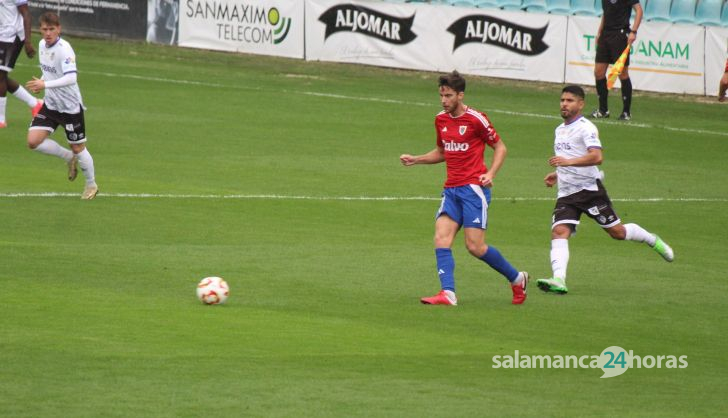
(466,205)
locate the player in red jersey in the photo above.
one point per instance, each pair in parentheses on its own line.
(462,134)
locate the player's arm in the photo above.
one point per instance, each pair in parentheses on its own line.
(592,157)
(499,155)
(550,179)
(25,12)
(599,31)
(723,87)
(637,20)
(36,84)
(435,156)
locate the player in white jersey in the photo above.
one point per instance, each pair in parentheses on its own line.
(63,105)
(14,33)
(578,151)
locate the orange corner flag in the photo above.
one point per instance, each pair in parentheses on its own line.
(617,68)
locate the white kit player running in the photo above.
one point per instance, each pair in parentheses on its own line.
(63,105)
(578,151)
(14,34)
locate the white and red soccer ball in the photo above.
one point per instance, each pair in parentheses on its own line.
(212,291)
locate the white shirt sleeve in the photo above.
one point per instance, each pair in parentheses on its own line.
(591,138)
(67,80)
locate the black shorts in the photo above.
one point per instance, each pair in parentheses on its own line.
(72,123)
(9,53)
(610,47)
(595,204)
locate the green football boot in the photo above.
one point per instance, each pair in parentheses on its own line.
(663,249)
(553,285)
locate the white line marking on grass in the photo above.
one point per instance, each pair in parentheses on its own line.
(330,198)
(395,101)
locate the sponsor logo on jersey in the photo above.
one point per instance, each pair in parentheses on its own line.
(490,30)
(369,22)
(48,69)
(455,146)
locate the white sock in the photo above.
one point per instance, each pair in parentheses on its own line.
(3,102)
(635,232)
(559,257)
(23,95)
(519,279)
(86,163)
(51,147)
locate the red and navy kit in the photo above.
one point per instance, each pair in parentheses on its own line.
(463,139)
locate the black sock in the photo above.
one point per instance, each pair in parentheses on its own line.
(603,92)
(626,95)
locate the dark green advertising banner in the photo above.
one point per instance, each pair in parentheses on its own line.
(98,18)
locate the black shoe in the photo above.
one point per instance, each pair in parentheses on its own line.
(625,116)
(598,114)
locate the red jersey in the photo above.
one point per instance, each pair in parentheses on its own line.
(464,138)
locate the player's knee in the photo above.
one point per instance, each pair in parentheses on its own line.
(618,232)
(441,241)
(34,142)
(562,231)
(477,249)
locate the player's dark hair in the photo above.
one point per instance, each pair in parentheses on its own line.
(453,80)
(50,19)
(575,90)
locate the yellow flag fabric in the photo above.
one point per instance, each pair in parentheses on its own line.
(617,68)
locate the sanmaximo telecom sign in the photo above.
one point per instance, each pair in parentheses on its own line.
(242,22)
(257,26)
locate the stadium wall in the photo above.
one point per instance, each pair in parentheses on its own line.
(124,19)
(474,41)
(667,57)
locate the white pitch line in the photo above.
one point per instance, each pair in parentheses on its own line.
(399,102)
(331,198)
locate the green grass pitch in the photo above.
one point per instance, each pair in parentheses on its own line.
(97,310)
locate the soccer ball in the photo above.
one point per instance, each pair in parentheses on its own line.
(212,291)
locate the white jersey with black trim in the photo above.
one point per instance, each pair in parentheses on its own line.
(11,20)
(574,140)
(57,60)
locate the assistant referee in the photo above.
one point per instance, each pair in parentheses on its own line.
(614,34)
